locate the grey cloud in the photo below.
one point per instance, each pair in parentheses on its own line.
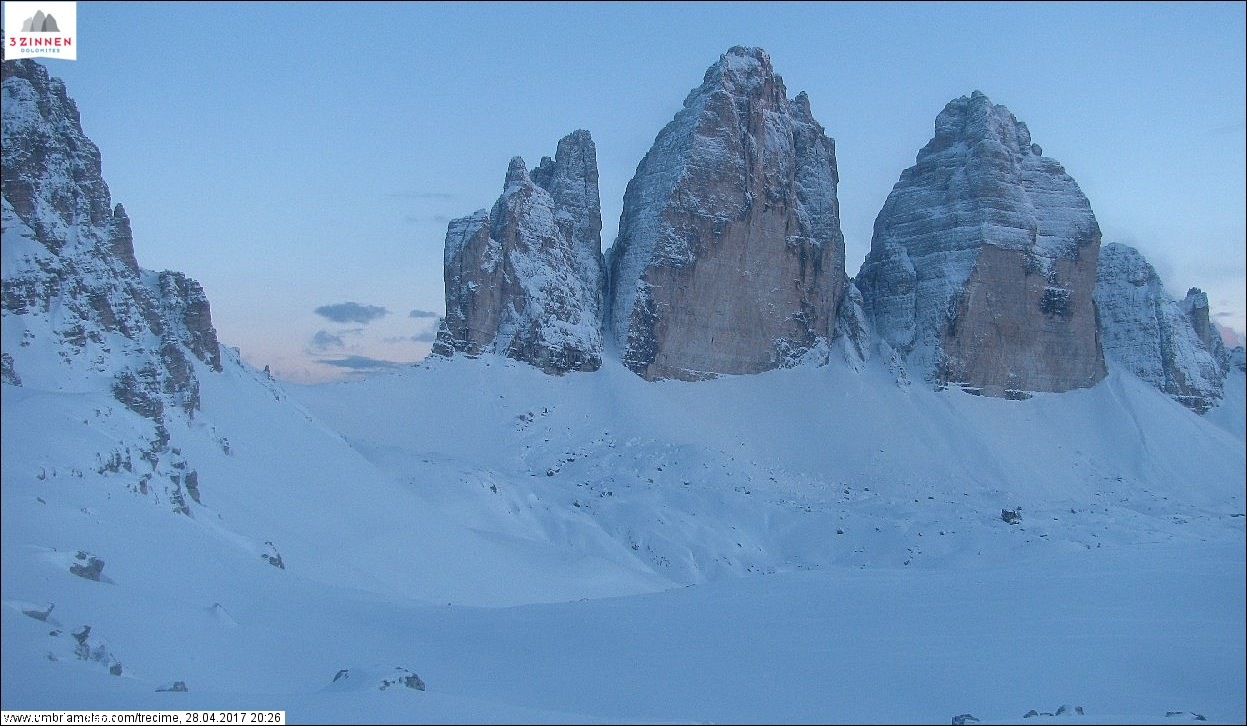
(324,339)
(351,312)
(426,336)
(362,363)
(422,314)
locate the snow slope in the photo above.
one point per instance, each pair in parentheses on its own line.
(806,545)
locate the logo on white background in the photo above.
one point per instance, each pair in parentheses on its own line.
(41,29)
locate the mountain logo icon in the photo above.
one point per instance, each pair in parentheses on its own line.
(48,28)
(40,23)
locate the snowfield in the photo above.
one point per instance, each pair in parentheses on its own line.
(819,544)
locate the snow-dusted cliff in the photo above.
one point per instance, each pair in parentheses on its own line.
(526,280)
(79,313)
(730,257)
(1167,343)
(982,264)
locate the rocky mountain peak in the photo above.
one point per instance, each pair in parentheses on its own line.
(526,280)
(52,171)
(729,257)
(80,314)
(1195,307)
(121,238)
(982,266)
(571,178)
(743,71)
(71,283)
(1170,344)
(975,118)
(517,176)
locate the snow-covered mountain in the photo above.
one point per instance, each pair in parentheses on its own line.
(79,313)
(730,257)
(982,265)
(527,279)
(474,540)
(1169,344)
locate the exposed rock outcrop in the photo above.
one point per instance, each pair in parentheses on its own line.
(1167,343)
(375,677)
(982,266)
(1195,307)
(79,313)
(87,566)
(1238,358)
(526,280)
(730,257)
(852,327)
(69,269)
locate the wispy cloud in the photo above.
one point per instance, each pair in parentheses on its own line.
(422,314)
(362,363)
(424,336)
(351,312)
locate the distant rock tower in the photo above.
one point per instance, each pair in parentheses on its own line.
(526,279)
(1167,343)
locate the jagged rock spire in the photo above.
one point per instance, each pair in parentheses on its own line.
(526,279)
(1167,343)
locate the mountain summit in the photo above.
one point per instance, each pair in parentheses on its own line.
(983,262)
(526,279)
(730,257)
(982,272)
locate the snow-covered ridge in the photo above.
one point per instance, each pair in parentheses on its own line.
(1170,345)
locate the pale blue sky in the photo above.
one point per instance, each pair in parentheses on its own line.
(296,156)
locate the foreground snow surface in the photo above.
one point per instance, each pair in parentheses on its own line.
(810,545)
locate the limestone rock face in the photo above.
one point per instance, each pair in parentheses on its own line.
(72,290)
(730,257)
(852,327)
(983,262)
(1167,343)
(526,280)
(1195,307)
(80,314)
